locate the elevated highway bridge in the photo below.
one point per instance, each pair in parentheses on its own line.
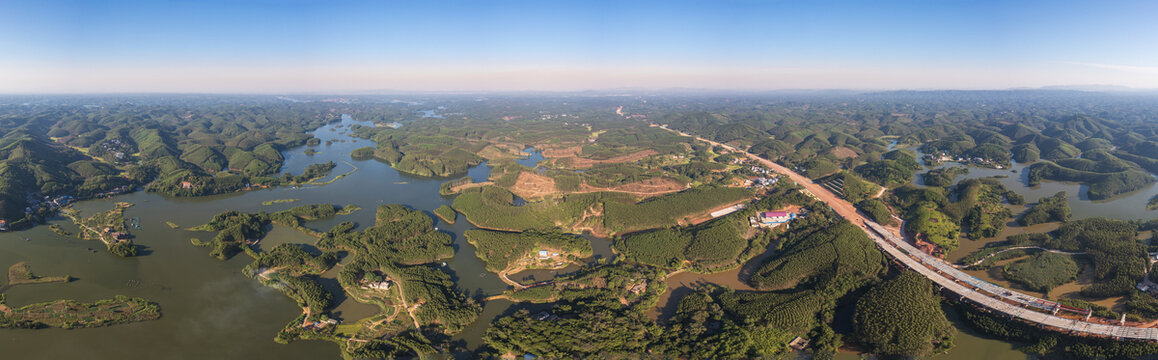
(990,296)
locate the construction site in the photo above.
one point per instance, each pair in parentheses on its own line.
(1045,313)
(955,283)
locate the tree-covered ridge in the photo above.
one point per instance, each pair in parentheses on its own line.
(446,213)
(426,155)
(180,147)
(702,329)
(238,231)
(1119,259)
(1113,159)
(449,145)
(834,251)
(32,164)
(902,317)
(821,262)
(585,152)
(807,308)
(1053,208)
(1043,271)
(400,249)
(668,210)
(979,207)
(495,208)
(293,271)
(638,285)
(399,234)
(598,311)
(850,187)
(596,314)
(819,135)
(818,264)
(1103,185)
(894,169)
(933,226)
(846,136)
(1111,246)
(978,210)
(597,327)
(203,145)
(943,177)
(390,267)
(506,251)
(715,245)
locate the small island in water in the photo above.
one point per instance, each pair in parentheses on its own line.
(69,314)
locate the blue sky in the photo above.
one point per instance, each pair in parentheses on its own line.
(301,46)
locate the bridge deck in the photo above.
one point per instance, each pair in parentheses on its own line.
(951,278)
(984,293)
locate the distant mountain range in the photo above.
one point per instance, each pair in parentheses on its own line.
(1096,88)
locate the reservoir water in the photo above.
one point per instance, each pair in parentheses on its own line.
(1127,206)
(211,310)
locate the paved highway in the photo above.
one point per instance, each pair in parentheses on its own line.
(986,294)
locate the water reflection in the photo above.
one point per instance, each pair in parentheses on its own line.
(1127,206)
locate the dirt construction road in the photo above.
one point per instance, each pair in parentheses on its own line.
(1008,302)
(842,207)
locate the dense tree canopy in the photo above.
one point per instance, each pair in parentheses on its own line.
(902,316)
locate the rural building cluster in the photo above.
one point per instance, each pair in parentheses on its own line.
(978,161)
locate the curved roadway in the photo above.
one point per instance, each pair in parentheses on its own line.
(993,297)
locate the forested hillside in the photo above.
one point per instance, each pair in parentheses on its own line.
(182,147)
(1098,139)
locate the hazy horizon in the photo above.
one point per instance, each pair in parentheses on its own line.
(319,47)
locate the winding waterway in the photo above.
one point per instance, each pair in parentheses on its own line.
(211,310)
